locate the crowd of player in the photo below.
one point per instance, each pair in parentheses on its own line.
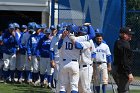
(67,54)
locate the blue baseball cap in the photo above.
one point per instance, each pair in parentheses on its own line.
(83,29)
(52,27)
(16,25)
(48,31)
(37,26)
(11,26)
(43,26)
(24,27)
(72,28)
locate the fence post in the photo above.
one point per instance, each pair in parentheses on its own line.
(52,11)
(123,13)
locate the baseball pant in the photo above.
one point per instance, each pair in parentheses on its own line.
(69,75)
(100,74)
(44,65)
(85,78)
(22,62)
(9,62)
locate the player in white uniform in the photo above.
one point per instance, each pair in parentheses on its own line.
(85,61)
(54,58)
(70,56)
(102,64)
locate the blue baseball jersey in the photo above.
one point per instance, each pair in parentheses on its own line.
(43,47)
(10,43)
(32,44)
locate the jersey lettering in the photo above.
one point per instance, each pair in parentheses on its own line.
(69,46)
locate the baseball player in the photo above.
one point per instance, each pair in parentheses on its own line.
(9,56)
(1,55)
(85,61)
(102,64)
(22,52)
(51,76)
(43,54)
(54,58)
(31,52)
(69,61)
(70,69)
(17,35)
(43,29)
(23,46)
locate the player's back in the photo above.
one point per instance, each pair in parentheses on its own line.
(68,50)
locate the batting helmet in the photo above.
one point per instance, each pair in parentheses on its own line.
(16,25)
(43,26)
(72,28)
(48,31)
(83,29)
(24,27)
(11,26)
(52,27)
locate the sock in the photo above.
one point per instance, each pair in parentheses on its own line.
(49,78)
(12,74)
(104,88)
(62,92)
(46,76)
(73,91)
(42,78)
(20,73)
(29,75)
(97,89)
(35,76)
(5,73)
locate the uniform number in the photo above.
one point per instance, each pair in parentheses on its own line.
(69,46)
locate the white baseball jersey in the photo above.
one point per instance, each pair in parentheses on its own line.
(68,50)
(102,51)
(54,45)
(86,52)
(80,38)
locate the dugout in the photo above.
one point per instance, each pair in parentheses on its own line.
(24,11)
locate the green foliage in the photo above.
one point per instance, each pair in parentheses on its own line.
(133,4)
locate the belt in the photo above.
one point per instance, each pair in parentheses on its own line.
(98,62)
(71,60)
(85,65)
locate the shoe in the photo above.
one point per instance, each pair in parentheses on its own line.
(29,82)
(42,85)
(20,81)
(49,86)
(37,83)
(13,81)
(46,83)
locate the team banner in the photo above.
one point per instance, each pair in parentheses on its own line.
(103,14)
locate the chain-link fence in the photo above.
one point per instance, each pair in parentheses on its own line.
(133,20)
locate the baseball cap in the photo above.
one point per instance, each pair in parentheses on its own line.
(48,31)
(24,26)
(11,26)
(126,30)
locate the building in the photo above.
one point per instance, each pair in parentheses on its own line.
(24,11)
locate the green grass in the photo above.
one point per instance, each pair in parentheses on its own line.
(21,88)
(24,88)
(131,91)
